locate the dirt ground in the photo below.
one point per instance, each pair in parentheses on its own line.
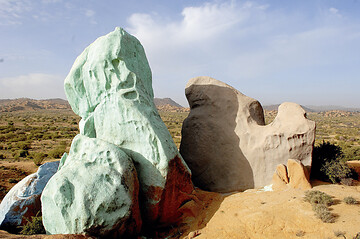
(250,214)
(282,214)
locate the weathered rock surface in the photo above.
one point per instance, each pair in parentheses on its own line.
(294,175)
(226,143)
(23,200)
(298,175)
(95,192)
(280,178)
(110,87)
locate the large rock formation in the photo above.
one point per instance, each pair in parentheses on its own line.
(23,200)
(226,143)
(109,86)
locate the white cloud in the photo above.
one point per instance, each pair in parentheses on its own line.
(12,10)
(51,1)
(333,10)
(33,85)
(197,23)
(89,13)
(239,42)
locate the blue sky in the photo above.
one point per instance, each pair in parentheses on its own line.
(304,51)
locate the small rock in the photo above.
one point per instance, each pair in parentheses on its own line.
(298,175)
(23,200)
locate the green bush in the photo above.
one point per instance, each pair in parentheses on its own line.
(328,163)
(38,158)
(318,197)
(336,170)
(35,226)
(350,200)
(23,153)
(351,153)
(16,158)
(57,152)
(12,180)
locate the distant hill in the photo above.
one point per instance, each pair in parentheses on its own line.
(166,101)
(314,108)
(275,107)
(332,107)
(167,104)
(26,104)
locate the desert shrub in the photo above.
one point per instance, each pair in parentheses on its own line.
(16,158)
(328,163)
(318,197)
(357,236)
(38,158)
(350,200)
(63,143)
(300,233)
(336,170)
(12,180)
(347,181)
(35,226)
(351,153)
(322,212)
(339,234)
(2,156)
(23,153)
(57,152)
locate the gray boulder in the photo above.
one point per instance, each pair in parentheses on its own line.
(226,143)
(23,200)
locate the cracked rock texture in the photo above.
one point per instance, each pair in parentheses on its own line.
(226,143)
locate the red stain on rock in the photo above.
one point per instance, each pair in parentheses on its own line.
(178,200)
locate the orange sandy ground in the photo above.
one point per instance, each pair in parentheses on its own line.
(259,214)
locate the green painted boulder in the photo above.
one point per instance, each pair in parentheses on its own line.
(95,192)
(110,87)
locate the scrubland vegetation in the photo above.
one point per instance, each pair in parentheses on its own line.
(36,135)
(46,134)
(335,127)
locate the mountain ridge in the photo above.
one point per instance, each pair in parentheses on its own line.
(164,104)
(314,108)
(28,104)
